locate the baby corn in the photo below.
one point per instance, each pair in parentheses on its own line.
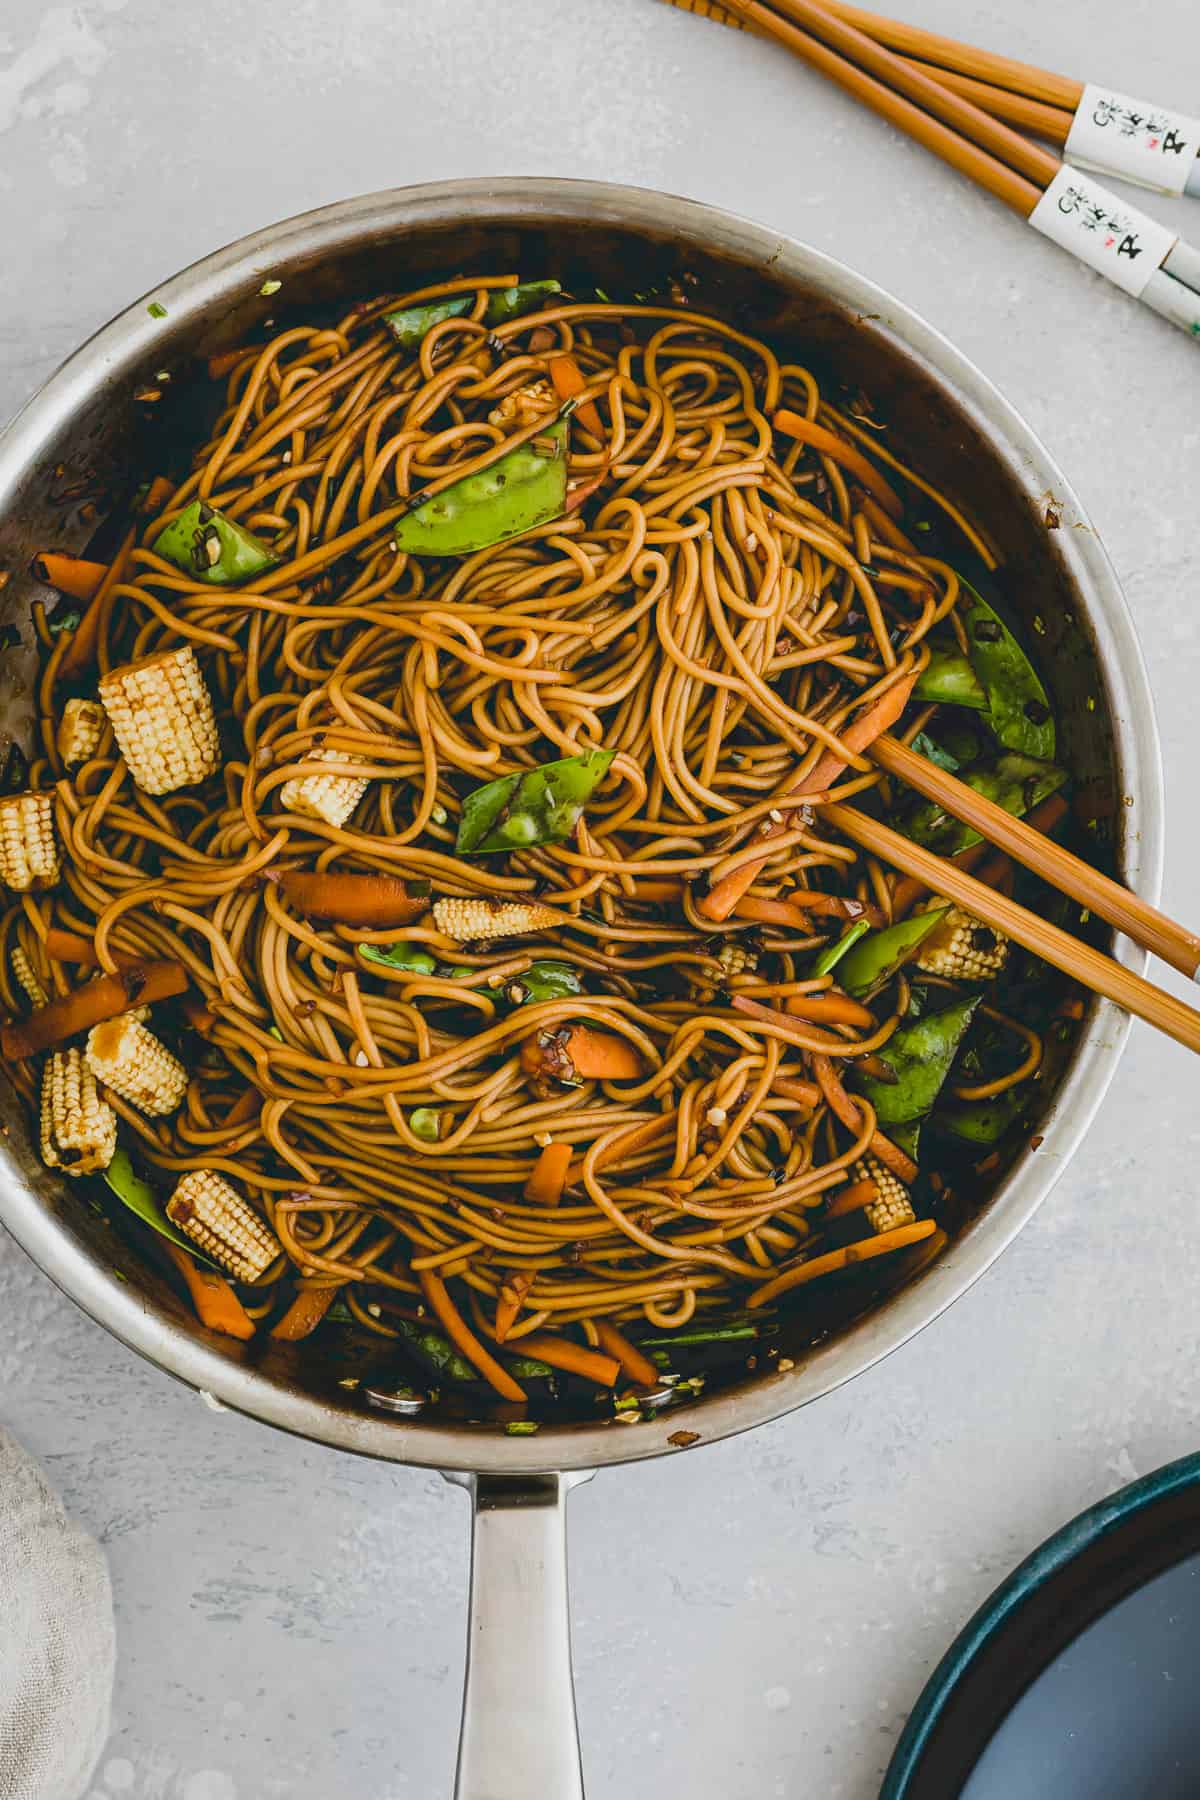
(27,976)
(962,948)
(162,717)
(222,1224)
(78,1126)
(331,798)
(129,1059)
(893,1206)
(473,921)
(80,730)
(28,842)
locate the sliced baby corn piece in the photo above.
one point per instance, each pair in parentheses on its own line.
(474,920)
(27,976)
(331,798)
(893,1206)
(126,1057)
(78,1126)
(962,948)
(536,400)
(28,842)
(80,730)
(223,1224)
(162,717)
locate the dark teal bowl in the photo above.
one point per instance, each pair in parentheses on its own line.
(1078,1677)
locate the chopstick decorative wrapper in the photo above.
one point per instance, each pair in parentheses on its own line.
(1116,239)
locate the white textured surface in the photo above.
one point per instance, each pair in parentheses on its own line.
(756,1619)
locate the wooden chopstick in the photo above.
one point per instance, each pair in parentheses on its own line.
(970,140)
(963,59)
(1044,121)
(1127,911)
(1084,964)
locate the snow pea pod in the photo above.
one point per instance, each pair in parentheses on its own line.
(1018,710)
(527,487)
(1016,782)
(409,324)
(542,806)
(877,957)
(948,679)
(441,1356)
(208,546)
(832,954)
(410,957)
(982,1121)
(141,1200)
(924,746)
(919,1054)
(543,981)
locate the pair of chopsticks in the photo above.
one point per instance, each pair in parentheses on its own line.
(920,98)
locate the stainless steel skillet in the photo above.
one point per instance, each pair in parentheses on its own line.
(519,1734)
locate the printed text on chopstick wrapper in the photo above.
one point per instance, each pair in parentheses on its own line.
(1126,137)
(1102,230)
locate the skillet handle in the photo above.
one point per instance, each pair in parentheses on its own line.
(520,1739)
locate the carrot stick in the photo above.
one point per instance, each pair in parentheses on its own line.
(858,736)
(225,361)
(646,888)
(80,653)
(788,1022)
(246,1107)
(635,1362)
(843,1259)
(852,1199)
(561,1353)
(198,1015)
(216,1304)
(377,901)
(568,381)
(139,984)
(580,1053)
(584,490)
(626,1143)
(804,1092)
(508,1306)
(830,1009)
(846,1111)
(802,902)
(549,1177)
(70,947)
(305,1313)
(460,1333)
(795,425)
(71,575)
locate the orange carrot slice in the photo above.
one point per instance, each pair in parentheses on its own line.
(216,1304)
(139,984)
(561,1353)
(795,425)
(568,381)
(71,575)
(635,1362)
(460,1333)
(549,1177)
(305,1313)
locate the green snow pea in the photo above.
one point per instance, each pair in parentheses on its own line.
(877,958)
(510,303)
(141,1199)
(948,679)
(982,1121)
(919,1055)
(1015,782)
(924,746)
(1017,707)
(409,957)
(526,487)
(907,1137)
(543,981)
(205,544)
(439,1353)
(832,954)
(542,806)
(409,324)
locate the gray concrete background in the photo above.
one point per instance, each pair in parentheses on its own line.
(756,1619)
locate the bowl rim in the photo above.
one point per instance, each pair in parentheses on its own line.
(240,267)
